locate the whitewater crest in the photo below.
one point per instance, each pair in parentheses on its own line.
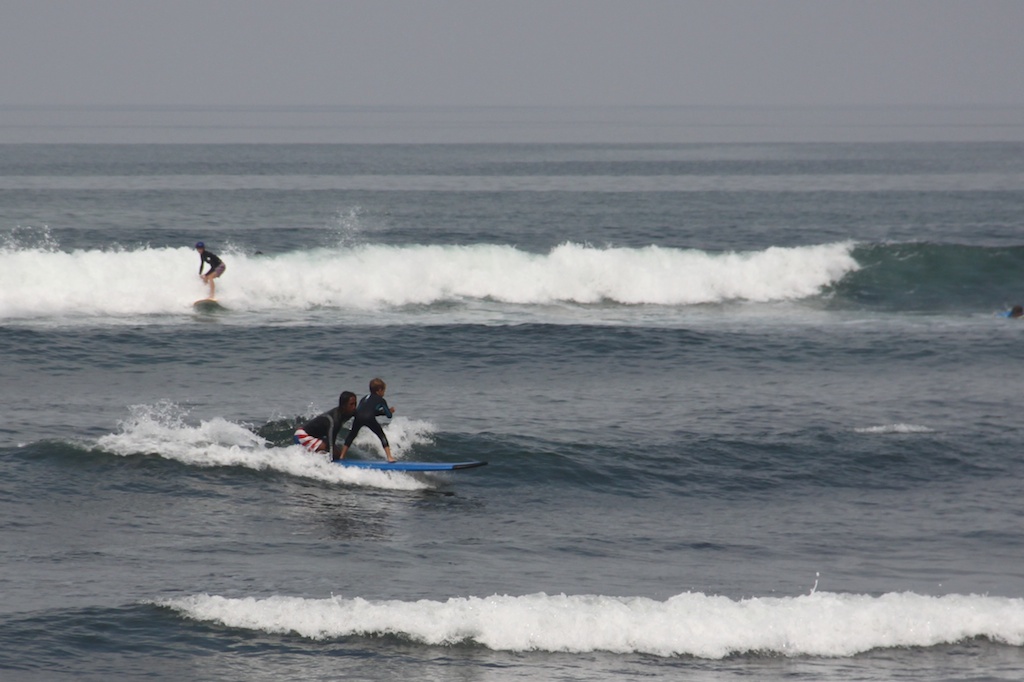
(162,281)
(694,624)
(164,429)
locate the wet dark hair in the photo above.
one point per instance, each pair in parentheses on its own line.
(345,397)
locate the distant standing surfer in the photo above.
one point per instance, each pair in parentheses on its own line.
(370,407)
(216,266)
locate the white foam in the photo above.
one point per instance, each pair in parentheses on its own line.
(818,624)
(895,428)
(45,282)
(162,430)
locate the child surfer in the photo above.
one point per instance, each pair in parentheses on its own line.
(370,407)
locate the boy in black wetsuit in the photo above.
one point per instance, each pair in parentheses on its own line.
(216,266)
(372,405)
(320,433)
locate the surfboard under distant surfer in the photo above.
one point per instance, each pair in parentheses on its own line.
(208,305)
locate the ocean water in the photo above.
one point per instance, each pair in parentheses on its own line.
(750,410)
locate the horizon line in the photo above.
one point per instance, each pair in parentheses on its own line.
(322,107)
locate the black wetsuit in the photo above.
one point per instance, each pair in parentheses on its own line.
(327,426)
(212,259)
(367,411)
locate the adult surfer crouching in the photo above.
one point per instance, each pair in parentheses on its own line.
(320,433)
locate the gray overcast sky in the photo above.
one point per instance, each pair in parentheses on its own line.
(512,52)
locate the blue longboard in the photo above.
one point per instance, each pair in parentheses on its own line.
(384,465)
